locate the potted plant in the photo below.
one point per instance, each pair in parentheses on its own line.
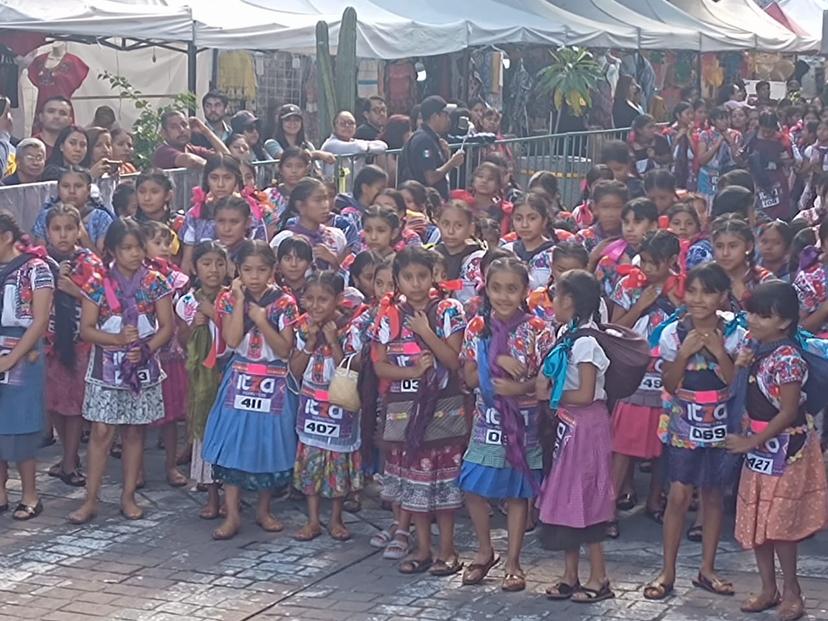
(570,78)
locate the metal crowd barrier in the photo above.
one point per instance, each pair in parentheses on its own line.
(24,202)
(568,156)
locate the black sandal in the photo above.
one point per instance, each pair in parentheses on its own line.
(656,515)
(626,502)
(415,566)
(561,590)
(613,532)
(591,596)
(28,511)
(694,533)
(55,470)
(717,586)
(73,479)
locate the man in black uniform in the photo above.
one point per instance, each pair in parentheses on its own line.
(426,157)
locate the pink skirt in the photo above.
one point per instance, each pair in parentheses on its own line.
(578,491)
(174,389)
(65,387)
(635,430)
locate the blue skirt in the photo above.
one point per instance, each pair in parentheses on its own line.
(250,442)
(498,483)
(707,467)
(22,400)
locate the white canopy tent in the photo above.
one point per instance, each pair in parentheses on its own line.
(808,14)
(769,35)
(653,33)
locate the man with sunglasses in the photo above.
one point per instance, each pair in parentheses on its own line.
(375,113)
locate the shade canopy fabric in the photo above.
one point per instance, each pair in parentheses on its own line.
(389,29)
(769,35)
(807,14)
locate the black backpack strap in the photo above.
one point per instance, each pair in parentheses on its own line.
(527,255)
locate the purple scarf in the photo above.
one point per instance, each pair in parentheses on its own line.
(510,417)
(128,289)
(315,237)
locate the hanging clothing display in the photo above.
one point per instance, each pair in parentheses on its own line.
(637,66)
(9,76)
(63,79)
(515,113)
(237,76)
(401,87)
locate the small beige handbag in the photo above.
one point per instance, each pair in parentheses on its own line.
(343,391)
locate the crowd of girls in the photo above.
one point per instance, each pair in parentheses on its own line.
(475,327)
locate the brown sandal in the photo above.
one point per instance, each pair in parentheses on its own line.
(338,533)
(791,611)
(308,533)
(717,586)
(442,569)
(512,583)
(475,573)
(755,603)
(656,591)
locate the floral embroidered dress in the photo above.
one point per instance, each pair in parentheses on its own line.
(783,494)
(328,460)
(197,228)
(486,470)
(66,372)
(21,395)
(810,285)
(538,261)
(696,422)
(591,236)
(109,397)
(328,236)
(755,276)
(250,437)
(426,481)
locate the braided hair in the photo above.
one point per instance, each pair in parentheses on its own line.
(504,264)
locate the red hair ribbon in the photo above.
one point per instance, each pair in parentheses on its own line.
(389,309)
(462,195)
(563,234)
(634,278)
(664,222)
(678,282)
(509,238)
(447,286)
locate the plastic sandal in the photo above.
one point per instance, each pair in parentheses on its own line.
(442,568)
(716,586)
(694,533)
(585,595)
(561,590)
(626,502)
(397,549)
(414,566)
(755,603)
(73,479)
(27,512)
(512,583)
(476,572)
(383,537)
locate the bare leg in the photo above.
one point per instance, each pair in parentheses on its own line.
(478,509)
(170,435)
(232,523)
(4,476)
(264,517)
(69,430)
(516,527)
(620,471)
(313,527)
(336,527)
(445,524)
(26,469)
(132,458)
(422,528)
(571,558)
(786,552)
(100,439)
(597,566)
(677,502)
(211,509)
(656,480)
(713,502)
(767,571)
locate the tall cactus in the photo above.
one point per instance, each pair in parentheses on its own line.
(324,72)
(346,62)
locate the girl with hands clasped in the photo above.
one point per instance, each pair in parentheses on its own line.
(416,356)
(127,316)
(328,459)
(783,494)
(502,352)
(697,348)
(250,437)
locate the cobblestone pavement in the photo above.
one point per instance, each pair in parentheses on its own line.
(166,567)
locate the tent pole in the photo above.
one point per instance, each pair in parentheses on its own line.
(192,58)
(192,55)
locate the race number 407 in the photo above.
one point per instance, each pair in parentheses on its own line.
(318,428)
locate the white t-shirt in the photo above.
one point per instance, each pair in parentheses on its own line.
(586,349)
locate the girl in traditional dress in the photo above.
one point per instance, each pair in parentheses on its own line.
(328,460)
(127,316)
(199,329)
(502,352)
(250,437)
(577,500)
(67,356)
(783,494)
(416,355)
(28,286)
(697,354)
